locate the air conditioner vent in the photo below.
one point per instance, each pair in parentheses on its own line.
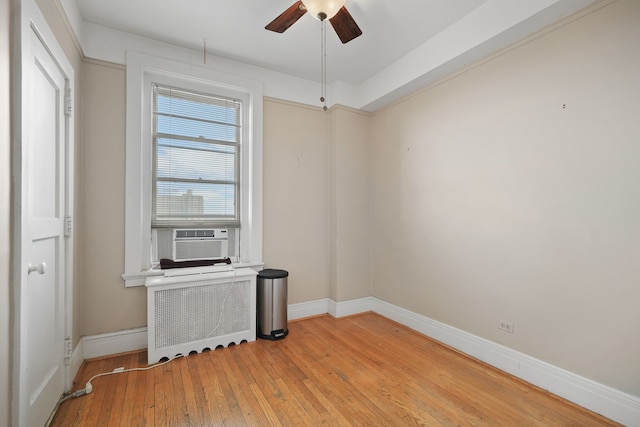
(201,234)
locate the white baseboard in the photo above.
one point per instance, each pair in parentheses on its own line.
(113,343)
(614,404)
(308,309)
(349,308)
(75,362)
(326,305)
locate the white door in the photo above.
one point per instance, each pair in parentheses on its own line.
(43,243)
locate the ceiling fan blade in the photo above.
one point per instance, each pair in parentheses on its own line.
(345,26)
(287,18)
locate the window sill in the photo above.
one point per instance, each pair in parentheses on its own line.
(138,279)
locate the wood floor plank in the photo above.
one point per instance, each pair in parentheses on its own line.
(268,377)
(356,371)
(292,375)
(217,404)
(270,414)
(160,396)
(177,413)
(225,399)
(134,404)
(75,412)
(388,387)
(81,409)
(305,416)
(198,401)
(148,416)
(332,414)
(251,409)
(358,375)
(334,382)
(193,394)
(101,396)
(119,402)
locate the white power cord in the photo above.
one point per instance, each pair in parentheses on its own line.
(88,388)
(224,302)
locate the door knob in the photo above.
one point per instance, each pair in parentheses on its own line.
(40,268)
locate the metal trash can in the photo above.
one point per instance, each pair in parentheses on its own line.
(272,304)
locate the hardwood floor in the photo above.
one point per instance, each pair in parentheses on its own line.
(362,370)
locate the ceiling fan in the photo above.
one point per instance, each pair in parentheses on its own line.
(333,10)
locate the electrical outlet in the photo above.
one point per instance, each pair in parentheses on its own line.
(505,326)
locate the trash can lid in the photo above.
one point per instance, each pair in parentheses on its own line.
(272,273)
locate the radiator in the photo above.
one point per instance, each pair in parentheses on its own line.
(189,313)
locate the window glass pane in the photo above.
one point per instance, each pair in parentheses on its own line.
(196,165)
(189,201)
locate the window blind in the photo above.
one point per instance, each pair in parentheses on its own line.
(196,145)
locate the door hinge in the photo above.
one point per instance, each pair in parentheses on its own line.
(68,226)
(68,350)
(68,105)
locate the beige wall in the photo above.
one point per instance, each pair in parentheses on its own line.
(349,205)
(511,192)
(316,200)
(6,311)
(296,197)
(107,306)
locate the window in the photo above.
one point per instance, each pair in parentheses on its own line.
(196,163)
(193,159)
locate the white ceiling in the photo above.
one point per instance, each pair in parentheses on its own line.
(235,29)
(422,34)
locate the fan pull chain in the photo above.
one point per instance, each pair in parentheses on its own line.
(323,61)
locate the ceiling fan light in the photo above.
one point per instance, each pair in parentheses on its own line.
(327,7)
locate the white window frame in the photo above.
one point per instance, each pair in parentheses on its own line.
(142,70)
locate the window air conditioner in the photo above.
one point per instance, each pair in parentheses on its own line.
(199,243)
